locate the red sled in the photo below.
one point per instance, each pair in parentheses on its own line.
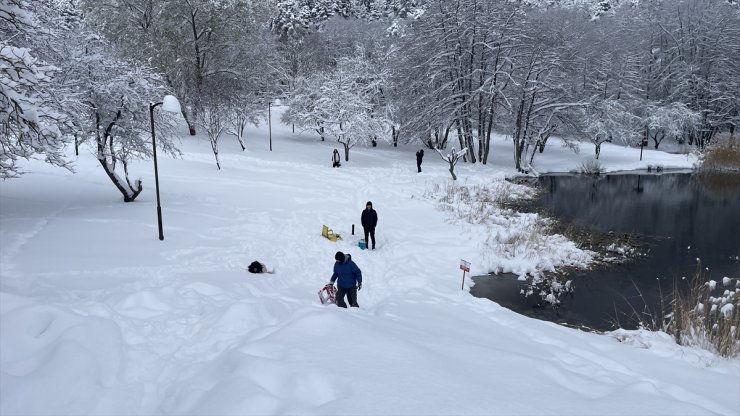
(327,293)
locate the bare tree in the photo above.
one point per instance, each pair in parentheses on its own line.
(452,158)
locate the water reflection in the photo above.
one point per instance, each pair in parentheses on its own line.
(680,217)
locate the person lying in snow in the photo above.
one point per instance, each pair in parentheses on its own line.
(350,279)
(257,267)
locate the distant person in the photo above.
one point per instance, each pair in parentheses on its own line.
(419,157)
(336,159)
(369,220)
(349,280)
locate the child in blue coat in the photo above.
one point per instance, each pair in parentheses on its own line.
(349,279)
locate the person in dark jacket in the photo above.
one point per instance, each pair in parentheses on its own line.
(369,220)
(419,156)
(336,159)
(349,280)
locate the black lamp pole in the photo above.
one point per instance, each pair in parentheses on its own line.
(156,172)
(269,122)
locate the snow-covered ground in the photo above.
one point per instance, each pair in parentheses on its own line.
(97,316)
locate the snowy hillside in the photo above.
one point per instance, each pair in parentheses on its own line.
(97,316)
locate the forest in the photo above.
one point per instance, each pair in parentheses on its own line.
(440,73)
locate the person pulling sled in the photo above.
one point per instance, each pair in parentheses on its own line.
(349,280)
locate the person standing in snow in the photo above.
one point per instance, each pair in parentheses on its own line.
(336,159)
(369,220)
(419,156)
(349,280)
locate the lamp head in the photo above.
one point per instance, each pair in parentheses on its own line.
(170,104)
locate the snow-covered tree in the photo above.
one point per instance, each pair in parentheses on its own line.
(543,97)
(342,103)
(29,121)
(241,113)
(691,49)
(452,158)
(197,45)
(674,120)
(213,120)
(302,106)
(108,97)
(607,120)
(453,67)
(296,18)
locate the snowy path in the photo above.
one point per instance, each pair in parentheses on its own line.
(99,317)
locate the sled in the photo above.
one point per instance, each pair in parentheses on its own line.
(327,293)
(327,232)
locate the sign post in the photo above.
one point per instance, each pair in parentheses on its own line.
(465,267)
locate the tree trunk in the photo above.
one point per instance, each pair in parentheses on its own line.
(517,136)
(346,145)
(657,140)
(460,136)
(240,133)
(129,192)
(103,140)
(214,146)
(486,142)
(191,126)
(443,145)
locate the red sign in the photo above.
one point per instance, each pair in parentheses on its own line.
(464,265)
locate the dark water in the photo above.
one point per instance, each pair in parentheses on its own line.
(677,217)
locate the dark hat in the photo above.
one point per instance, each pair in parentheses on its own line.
(339,256)
(369,203)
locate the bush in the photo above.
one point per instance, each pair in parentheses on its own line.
(723,154)
(591,167)
(511,235)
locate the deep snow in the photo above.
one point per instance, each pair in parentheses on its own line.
(97,316)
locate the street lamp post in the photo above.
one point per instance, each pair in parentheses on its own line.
(169,103)
(269,122)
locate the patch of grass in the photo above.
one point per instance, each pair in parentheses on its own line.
(699,313)
(707,315)
(722,154)
(511,234)
(719,183)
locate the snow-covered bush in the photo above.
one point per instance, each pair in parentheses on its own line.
(701,313)
(591,167)
(707,314)
(519,243)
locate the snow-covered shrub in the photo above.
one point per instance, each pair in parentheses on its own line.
(591,167)
(701,313)
(520,243)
